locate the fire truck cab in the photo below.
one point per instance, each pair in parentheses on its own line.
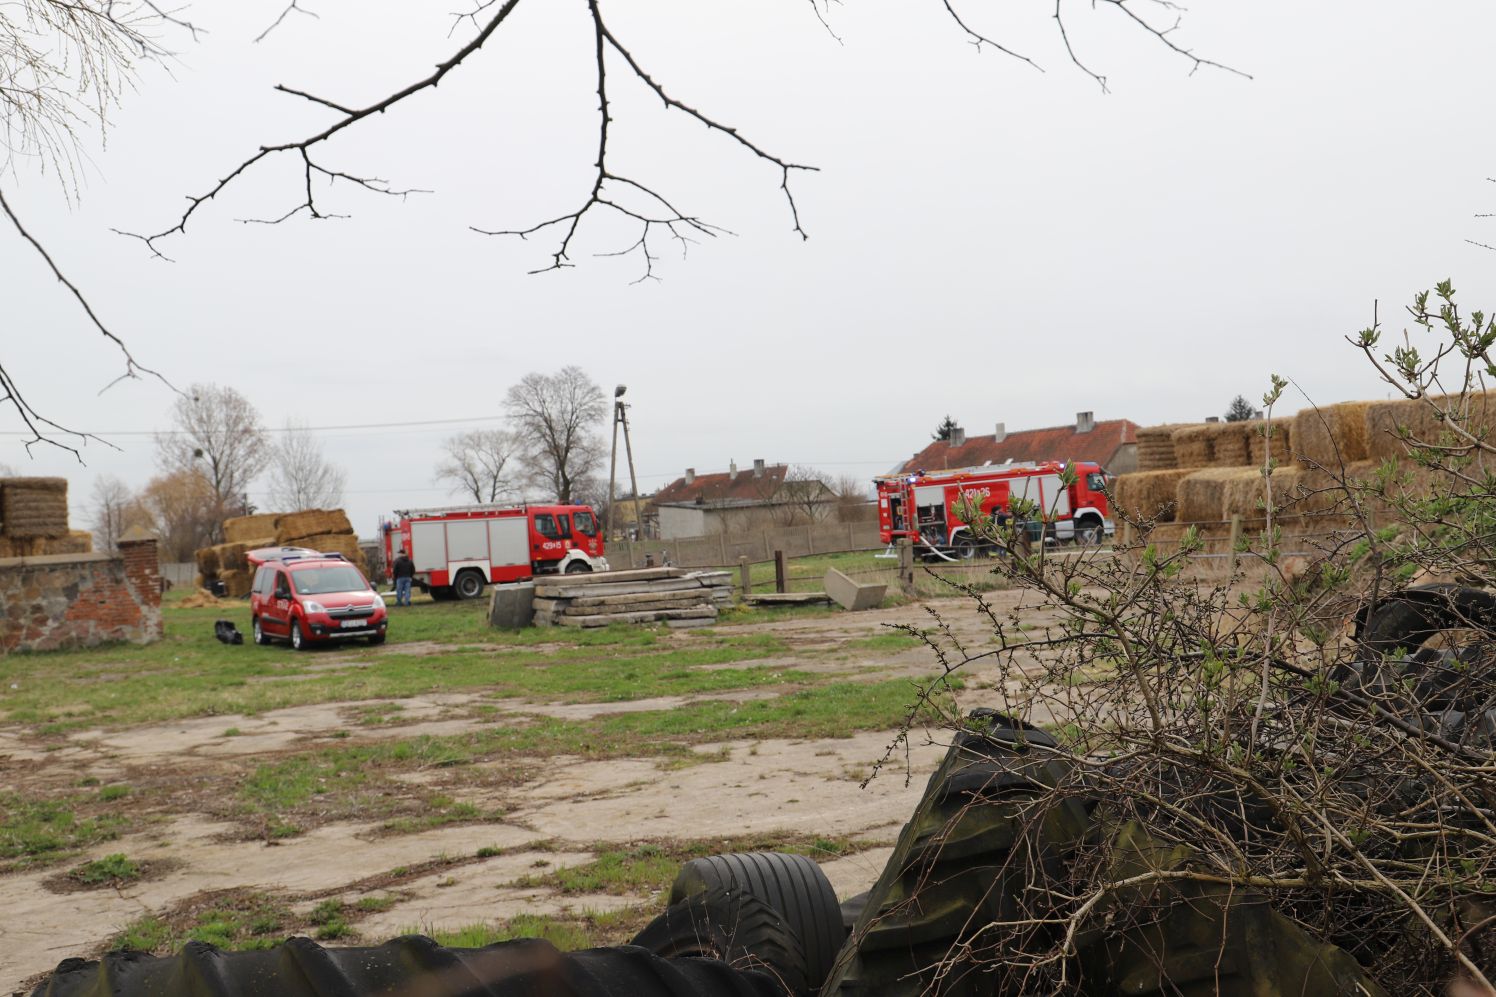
(925,506)
(458,551)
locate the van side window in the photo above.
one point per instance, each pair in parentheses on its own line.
(586,525)
(545,525)
(282,585)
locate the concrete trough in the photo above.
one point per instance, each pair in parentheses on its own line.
(850,594)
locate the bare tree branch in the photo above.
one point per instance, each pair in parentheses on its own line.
(295,6)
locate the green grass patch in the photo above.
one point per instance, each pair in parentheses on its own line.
(115,792)
(236,920)
(568,934)
(111,869)
(35,832)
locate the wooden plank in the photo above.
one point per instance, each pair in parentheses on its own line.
(624,598)
(633,575)
(786,598)
(568,591)
(703,613)
(636,607)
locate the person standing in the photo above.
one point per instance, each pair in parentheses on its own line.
(404,570)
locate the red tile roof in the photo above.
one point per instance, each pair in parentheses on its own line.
(724,488)
(1055,443)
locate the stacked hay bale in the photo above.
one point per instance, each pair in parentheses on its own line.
(1148,494)
(1156,448)
(1332,435)
(1202,495)
(1260,435)
(1244,492)
(676,596)
(325,530)
(34,519)
(1212,444)
(1387,423)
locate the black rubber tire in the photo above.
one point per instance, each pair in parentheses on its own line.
(467,585)
(412,966)
(1407,620)
(987,819)
(578,568)
(260,636)
(732,927)
(442,593)
(964,548)
(298,636)
(1089,532)
(793,886)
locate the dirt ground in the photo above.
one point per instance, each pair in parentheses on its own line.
(553,815)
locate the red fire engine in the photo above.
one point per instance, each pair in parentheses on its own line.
(923,505)
(457,551)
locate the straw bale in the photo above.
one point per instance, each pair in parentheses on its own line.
(341,543)
(1148,494)
(1192,446)
(1332,434)
(236,583)
(20,546)
(1257,441)
(207,561)
(1229,446)
(243,529)
(1156,448)
(231,556)
(1202,494)
(76,542)
(1386,422)
(295,527)
(34,507)
(1245,493)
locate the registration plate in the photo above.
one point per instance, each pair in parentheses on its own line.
(350,624)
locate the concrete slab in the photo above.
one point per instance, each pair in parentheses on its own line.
(851,594)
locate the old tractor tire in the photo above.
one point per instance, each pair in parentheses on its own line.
(793,886)
(412,966)
(989,815)
(732,927)
(1186,938)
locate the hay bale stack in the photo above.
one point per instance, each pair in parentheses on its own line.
(1192,446)
(230,556)
(236,582)
(1245,492)
(207,562)
(340,543)
(1156,448)
(1331,435)
(295,527)
(76,542)
(1148,494)
(34,507)
(1202,494)
(1387,422)
(1230,444)
(251,530)
(1257,442)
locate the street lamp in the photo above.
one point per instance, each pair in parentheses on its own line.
(621,418)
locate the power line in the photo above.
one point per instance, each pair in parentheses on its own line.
(285,429)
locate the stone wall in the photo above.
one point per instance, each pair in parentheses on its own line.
(80,600)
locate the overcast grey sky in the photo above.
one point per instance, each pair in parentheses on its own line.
(985,239)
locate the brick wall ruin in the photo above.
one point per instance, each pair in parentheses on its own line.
(65,601)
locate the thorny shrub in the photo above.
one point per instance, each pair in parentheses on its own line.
(1350,784)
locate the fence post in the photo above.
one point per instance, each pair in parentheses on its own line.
(744,576)
(1235,537)
(906,566)
(779,571)
(722,548)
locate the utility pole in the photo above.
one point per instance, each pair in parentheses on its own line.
(621,418)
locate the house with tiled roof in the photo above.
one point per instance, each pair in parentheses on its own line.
(1112,443)
(696,505)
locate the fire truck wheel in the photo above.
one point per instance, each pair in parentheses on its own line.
(577,567)
(469,585)
(1088,532)
(966,548)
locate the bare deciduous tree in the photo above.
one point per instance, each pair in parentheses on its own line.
(301,476)
(556,419)
(115,508)
(184,511)
(803,496)
(217,436)
(476,464)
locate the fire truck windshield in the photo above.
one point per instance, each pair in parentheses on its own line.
(585,524)
(1096,482)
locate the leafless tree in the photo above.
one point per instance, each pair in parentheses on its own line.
(556,418)
(852,493)
(184,513)
(114,508)
(301,476)
(801,496)
(476,463)
(217,435)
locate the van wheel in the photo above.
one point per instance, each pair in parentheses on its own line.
(469,585)
(261,637)
(298,636)
(578,567)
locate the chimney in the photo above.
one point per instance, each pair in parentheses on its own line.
(1001,433)
(732,470)
(1085,422)
(690,475)
(758,468)
(958,436)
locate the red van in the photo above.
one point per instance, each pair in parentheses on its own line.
(309,598)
